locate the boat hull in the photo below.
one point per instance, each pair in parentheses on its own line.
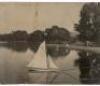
(42,70)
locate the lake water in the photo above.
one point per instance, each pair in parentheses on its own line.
(80,67)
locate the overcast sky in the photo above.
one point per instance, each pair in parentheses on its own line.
(22,16)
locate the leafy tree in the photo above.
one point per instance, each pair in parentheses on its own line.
(86,26)
(36,37)
(57,35)
(19,35)
(97,23)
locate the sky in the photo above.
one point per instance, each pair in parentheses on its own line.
(33,16)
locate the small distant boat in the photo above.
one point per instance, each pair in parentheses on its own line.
(41,62)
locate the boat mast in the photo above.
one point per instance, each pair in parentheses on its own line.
(47,60)
(36,15)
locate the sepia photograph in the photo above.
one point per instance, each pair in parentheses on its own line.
(49,43)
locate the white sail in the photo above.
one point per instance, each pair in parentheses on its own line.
(39,60)
(51,63)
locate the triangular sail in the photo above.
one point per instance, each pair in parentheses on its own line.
(39,60)
(51,63)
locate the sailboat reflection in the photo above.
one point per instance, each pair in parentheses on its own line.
(42,69)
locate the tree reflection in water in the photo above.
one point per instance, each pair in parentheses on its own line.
(18,47)
(21,46)
(89,66)
(53,51)
(57,51)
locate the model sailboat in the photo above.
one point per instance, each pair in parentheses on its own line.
(41,62)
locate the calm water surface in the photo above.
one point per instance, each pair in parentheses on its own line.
(81,68)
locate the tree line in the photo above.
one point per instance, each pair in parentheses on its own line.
(54,34)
